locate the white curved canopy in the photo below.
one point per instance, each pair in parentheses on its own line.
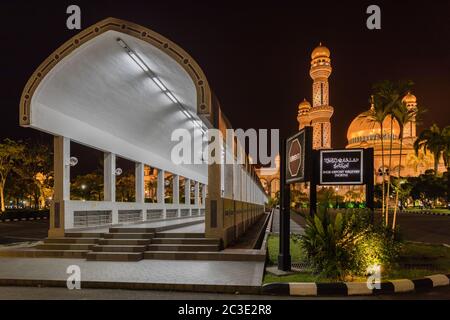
(98,96)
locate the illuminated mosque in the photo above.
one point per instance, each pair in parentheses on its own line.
(362,132)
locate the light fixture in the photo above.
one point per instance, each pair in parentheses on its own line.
(140,62)
(171,96)
(159,83)
(73,161)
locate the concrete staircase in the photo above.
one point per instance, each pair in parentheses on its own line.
(73,245)
(173,246)
(121,245)
(129,243)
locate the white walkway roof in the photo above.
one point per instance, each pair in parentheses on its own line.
(97,95)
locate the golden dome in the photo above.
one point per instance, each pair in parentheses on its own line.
(409,98)
(304,105)
(363,129)
(320,51)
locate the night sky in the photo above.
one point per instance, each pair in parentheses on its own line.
(256,55)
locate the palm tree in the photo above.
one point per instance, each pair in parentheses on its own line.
(402,115)
(446,152)
(434,140)
(377,114)
(388,97)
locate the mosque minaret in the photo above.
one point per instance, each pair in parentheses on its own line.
(318,116)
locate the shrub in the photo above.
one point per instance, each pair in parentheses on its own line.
(347,244)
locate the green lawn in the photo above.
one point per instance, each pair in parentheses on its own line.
(445,211)
(296,252)
(435,257)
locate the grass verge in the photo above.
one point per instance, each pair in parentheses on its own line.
(416,261)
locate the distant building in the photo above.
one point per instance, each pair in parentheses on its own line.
(362,132)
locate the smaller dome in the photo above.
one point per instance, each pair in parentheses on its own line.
(304,105)
(320,51)
(409,98)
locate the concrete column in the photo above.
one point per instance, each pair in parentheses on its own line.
(61,167)
(160,187)
(204,194)
(197,193)
(139,181)
(109,177)
(176,189)
(187,191)
(109,182)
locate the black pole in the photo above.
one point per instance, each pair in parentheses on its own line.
(313,184)
(369,172)
(284,256)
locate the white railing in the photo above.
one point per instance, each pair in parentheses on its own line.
(81,214)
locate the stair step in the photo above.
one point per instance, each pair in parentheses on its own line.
(125,242)
(83,235)
(76,254)
(115,256)
(118,248)
(179,235)
(182,247)
(186,241)
(72,240)
(128,235)
(203,256)
(65,246)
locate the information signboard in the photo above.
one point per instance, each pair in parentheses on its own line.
(341,167)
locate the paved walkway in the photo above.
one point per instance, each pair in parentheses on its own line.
(229,273)
(196,228)
(295,227)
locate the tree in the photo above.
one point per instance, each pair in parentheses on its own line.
(11,153)
(125,188)
(434,140)
(446,151)
(403,115)
(387,97)
(36,170)
(88,187)
(390,95)
(377,114)
(428,187)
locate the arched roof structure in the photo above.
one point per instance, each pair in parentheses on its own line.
(91,91)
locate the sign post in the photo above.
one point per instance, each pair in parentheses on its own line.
(284,254)
(300,163)
(296,161)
